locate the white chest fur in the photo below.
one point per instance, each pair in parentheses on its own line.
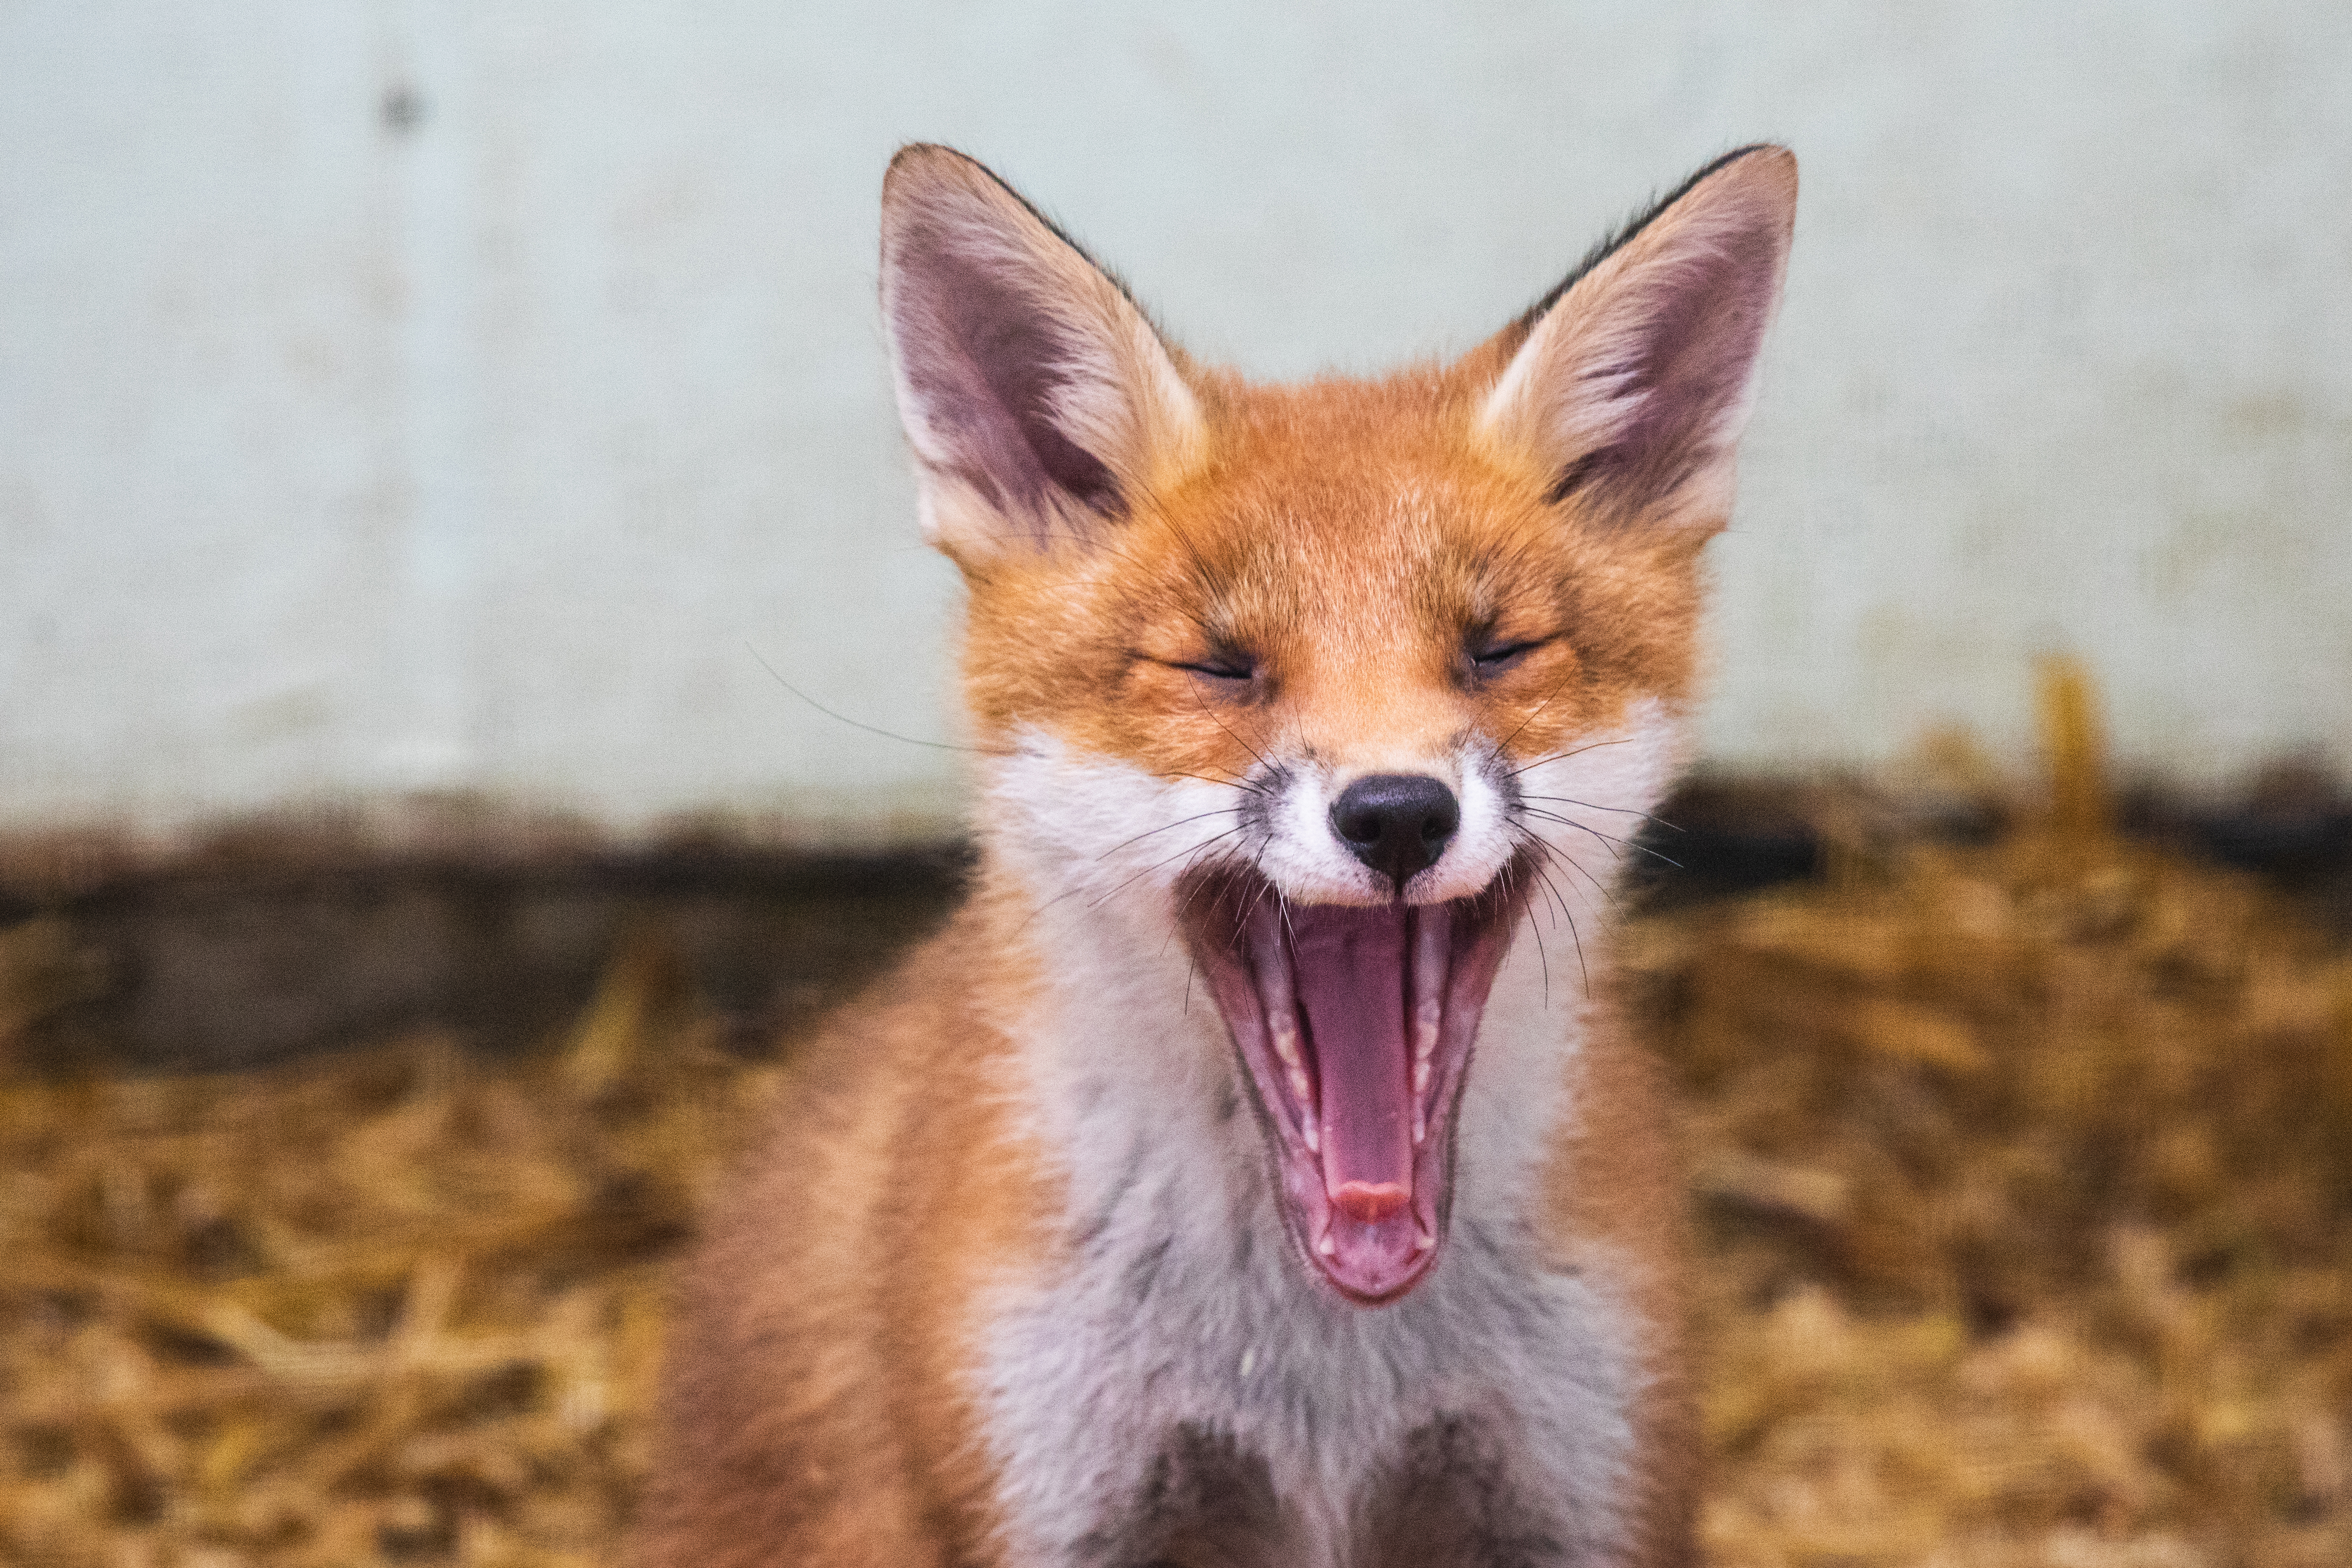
(1186,1314)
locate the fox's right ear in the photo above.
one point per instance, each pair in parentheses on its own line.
(1040,403)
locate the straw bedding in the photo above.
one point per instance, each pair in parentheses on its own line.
(2022,1171)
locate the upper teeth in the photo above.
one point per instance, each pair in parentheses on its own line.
(1431,932)
(1273,966)
(1283,1027)
(1432,929)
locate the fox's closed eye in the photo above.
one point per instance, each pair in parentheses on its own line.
(1491,656)
(1221,666)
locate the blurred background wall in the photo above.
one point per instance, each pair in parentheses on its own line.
(419,396)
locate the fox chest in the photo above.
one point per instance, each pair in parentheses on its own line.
(1185,1394)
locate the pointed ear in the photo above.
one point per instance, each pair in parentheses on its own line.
(1040,403)
(1629,385)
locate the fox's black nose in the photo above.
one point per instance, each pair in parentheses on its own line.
(1396,822)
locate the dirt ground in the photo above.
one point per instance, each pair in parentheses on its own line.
(2023,1169)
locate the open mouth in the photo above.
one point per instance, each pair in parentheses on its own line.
(1356,1024)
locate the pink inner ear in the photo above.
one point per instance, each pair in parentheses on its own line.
(1703,325)
(984,363)
(1650,345)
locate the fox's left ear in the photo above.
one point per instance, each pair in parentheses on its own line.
(1040,404)
(1628,387)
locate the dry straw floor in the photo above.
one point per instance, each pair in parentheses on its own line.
(2023,1171)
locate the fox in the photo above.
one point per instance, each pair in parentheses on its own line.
(1259,1167)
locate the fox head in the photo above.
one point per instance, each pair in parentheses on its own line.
(1345,688)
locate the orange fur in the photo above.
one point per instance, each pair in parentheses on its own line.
(1356,539)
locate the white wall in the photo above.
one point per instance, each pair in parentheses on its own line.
(340,460)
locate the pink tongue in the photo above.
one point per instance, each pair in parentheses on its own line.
(1350,969)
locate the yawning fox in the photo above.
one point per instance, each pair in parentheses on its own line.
(1256,1170)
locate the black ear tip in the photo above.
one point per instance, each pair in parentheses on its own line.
(1757,154)
(1765,165)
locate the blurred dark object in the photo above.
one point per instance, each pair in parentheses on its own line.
(268,943)
(1719,837)
(2292,823)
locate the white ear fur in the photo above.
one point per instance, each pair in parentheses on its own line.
(1634,382)
(1040,403)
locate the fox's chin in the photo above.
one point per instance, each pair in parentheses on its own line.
(1355,1026)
